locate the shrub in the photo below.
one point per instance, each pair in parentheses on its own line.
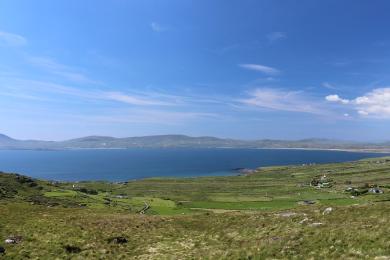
(88,191)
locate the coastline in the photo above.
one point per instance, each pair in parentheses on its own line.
(362,150)
(356,150)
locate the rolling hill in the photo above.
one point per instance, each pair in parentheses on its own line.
(183,141)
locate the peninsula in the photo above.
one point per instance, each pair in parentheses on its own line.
(183,141)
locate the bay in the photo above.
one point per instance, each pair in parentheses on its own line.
(130,164)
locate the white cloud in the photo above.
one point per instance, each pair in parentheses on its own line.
(12,39)
(373,104)
(57,68)
(260,68)
(336,98)
(275,36)
(363,113)
(276,99)
(158,27)
(328,85)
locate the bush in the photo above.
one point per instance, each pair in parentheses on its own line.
(88,191)
(72,249)
(357,192)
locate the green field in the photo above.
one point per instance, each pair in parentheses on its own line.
(273,213)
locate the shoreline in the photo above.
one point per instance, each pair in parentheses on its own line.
(357,150)
(360,150)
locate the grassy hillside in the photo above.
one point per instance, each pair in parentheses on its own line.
(275,212)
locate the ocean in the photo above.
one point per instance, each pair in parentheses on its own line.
(139,163)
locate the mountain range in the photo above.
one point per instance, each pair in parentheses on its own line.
(183,141)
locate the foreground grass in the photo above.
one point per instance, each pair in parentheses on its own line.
(258,216)
(351,232)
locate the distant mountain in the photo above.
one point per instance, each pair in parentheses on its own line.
(149,141)
(5,138)
(7,142)
(177,141)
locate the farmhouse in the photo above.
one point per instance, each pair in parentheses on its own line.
(375,190)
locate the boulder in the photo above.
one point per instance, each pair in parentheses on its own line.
(303,221)
(13,240)
(286,214)
(117,240)
(327,211)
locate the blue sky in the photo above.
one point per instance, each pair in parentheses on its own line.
(240,69)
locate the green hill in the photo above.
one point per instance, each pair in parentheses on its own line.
(274,212)
(183,141)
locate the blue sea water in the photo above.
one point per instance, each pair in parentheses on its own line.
(126,164)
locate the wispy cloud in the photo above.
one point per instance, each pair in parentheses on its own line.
(375,103)
(283,100)
(94,116)
(12,39)
(134,100)
(328,85)
(225,49)
(260,68)
(341,63)
(149,116)
(156,27)
(59,69)
(97,106)
(276,36)
(37,89)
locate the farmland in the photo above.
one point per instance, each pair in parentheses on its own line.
(273,212)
